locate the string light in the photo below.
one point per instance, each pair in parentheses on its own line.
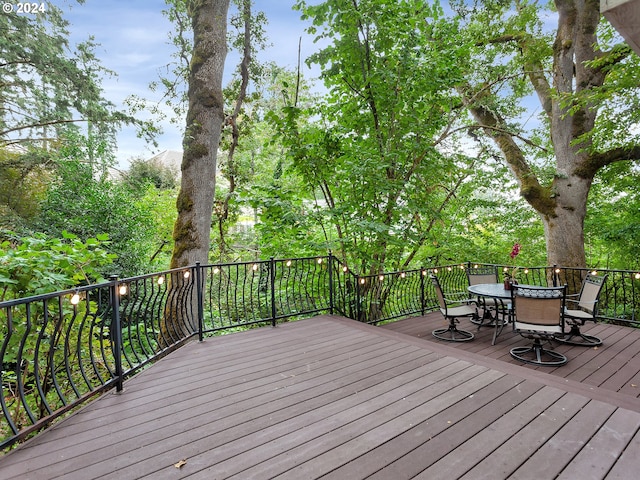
(403,275)
(345,269)
(288,263)
(160,280)
(122,289)
(319,261)
(75,299)
(381,278)
(255,267)
(362,280)
(638,276)
(216,270)
(186,274)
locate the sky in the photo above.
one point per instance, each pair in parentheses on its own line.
(133,42)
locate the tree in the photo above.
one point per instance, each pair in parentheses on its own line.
(46,87)
(23,184)
(246,34)
(150,172)
(586,86)
(612,230)
(86,206)
(241,121)
(383,158)
(205,118)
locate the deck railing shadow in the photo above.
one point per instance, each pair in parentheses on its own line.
(60,349)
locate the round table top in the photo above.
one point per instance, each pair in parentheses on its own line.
(493,290)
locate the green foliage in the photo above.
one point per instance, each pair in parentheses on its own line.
(87,207)
(23,181)
(47,85)
(160,205)
(150,172)
(381,148)
(612,230)
(36,265)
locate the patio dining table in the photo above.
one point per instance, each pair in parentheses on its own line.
(501,299)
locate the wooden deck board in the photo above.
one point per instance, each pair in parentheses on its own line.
(517,448)
(550,459)
(448,431)
(328,397)
(601,452)
(613,366)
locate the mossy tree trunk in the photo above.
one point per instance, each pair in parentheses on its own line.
(569,77)
(205,118)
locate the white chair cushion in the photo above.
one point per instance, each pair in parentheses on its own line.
(460,311)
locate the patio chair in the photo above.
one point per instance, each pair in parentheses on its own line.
(452,307)
(495,312)
(538,315)
(585,307)
(482,274)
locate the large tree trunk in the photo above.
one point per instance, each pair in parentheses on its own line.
(573,46)
(564,228)
(205,118)
(562,203)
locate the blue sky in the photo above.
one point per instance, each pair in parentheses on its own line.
(133,38)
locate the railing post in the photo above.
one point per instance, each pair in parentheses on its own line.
(116,332)
(358,298)
(423,297)
(555,275)
(200,298)
(272,274)
(331,294)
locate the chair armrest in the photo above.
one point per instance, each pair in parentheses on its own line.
(570,300)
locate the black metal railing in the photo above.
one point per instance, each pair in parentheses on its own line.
(60,349)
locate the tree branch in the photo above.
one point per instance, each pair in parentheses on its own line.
(530,188)
(41,124)
(599,160)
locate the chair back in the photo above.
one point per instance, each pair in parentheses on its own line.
(482,274)
(538,306)
(591,288)
(439,294)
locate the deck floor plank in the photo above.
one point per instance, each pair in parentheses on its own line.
(551,458)
(613,366)
(602,451)
(486,443)
(330,398)
(517,448)
(270,441)
(447,431)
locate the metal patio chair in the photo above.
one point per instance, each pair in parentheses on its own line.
(494,311)
(538,314)
(584,308)
(452,307)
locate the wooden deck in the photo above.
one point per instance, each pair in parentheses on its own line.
(334,399)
